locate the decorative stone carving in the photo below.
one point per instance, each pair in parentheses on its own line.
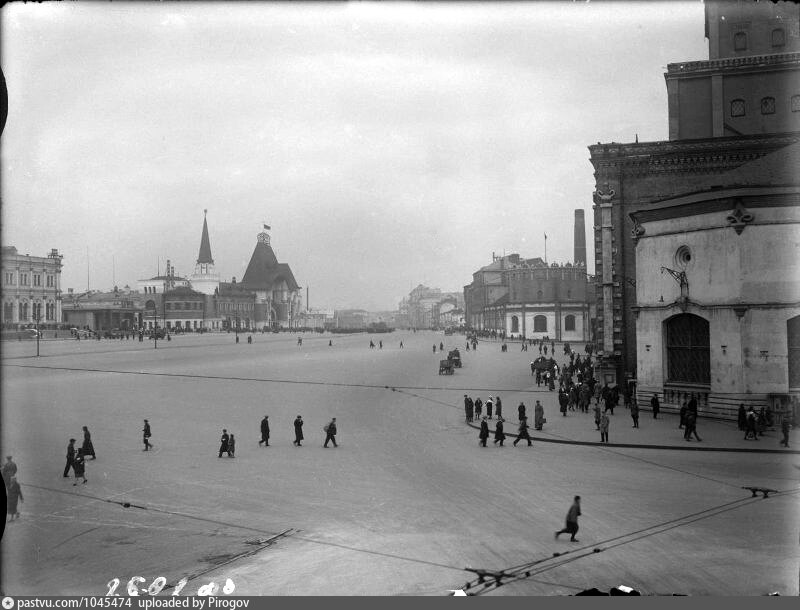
(605,197)
(637,231)
(739,217)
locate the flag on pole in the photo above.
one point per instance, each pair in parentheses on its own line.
(266,226)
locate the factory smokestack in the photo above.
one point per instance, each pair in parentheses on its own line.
(579,239)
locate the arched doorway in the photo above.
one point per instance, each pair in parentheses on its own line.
(569,323)
(688,349)
(514,324)
(540,324)
(793,340)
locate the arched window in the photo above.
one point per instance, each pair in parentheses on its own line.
(150,305)
(8,312)
(23,312)
(540,324)
(767,105)
(737,108)
(687,339)
(740,41)
(793,335)
(569,322)
(514,324)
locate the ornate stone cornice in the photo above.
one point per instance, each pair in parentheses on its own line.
(708,155)
(727,63)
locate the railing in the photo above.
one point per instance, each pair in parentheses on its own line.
(733,62)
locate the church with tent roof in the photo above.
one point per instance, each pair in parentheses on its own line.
(266,297)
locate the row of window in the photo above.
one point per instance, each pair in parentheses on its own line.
(10,279)
(29,312)
(188,305)
(540,324)
(777,38)
(739,107)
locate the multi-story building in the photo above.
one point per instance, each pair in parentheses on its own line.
(31,288)
(531,299)
(119,309)
(740,105)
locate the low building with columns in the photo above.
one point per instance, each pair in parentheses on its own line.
(31,289)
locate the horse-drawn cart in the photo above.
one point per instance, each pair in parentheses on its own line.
(446,367)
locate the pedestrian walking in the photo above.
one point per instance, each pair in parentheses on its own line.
(562,401)
(750,428)
(484,433)
(13,497)
(146,434)
(522,433)
(742,417)
(467,409)
(499,435)
(489,404)
(70,457)
(571,526)
(441,347)
(232,446)
(88,448)
(401,346)
(682,413)
(655,406)
(635,414)
(538,416)
(330,433)
(498,407)
(264,431)
(597,416)
(223,442)
(9,470)
(521,411)
(786,426)
(434,348)
(298,431)
(533,368)
(79,466)
(380,344)
(691,426)
(604,422)
(478,406)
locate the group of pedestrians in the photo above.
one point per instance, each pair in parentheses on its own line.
(474,408)
(76,458)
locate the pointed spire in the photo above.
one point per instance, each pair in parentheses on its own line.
(205,244)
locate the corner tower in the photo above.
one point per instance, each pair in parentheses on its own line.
(205,279)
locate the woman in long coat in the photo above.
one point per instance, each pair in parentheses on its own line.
(742,418)
(538,416)
(14,496)
(88,448)
(499,435)
(484,433)
(298,430)
(79,466)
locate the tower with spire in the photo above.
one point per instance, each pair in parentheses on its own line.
(205,279)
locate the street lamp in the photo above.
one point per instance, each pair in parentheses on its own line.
(38,319)
(155,324)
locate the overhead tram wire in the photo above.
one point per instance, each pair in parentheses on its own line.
(245,527)
(524,571)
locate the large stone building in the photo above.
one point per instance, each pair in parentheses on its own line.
(739,105)
(267,296)
(426,307)
(687,296)
(31,289)
(533,299)
(100,311)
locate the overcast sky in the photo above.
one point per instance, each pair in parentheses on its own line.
(387,145)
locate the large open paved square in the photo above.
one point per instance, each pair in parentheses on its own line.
(402,506)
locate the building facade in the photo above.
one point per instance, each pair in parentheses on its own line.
(119,309)
(734,108)
(31,289)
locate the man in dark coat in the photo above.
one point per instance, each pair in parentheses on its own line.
(572,520)
(682,414)
(521,411)
(562,401)
(330,431)
(223,442)
(70,457)
(478,406)
(499,435)
(79,465)
(484,433)
(635,414)
(298,430)
(88,447)
(523,432)
(751,425)
(691,425)
(9,470)
(467,408)
(264,431)
(498,407)
(786,426)
(655,406)
(742,418)
(146,434)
